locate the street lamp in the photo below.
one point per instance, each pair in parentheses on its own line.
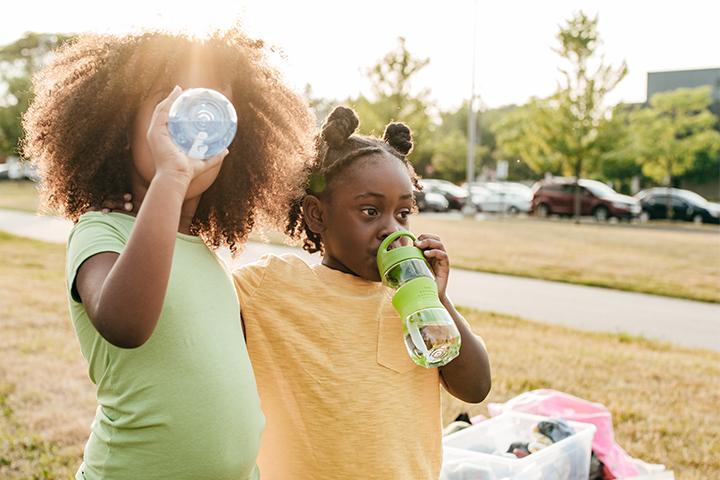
(469,208)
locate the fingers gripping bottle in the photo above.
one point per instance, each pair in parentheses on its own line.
(202,122)
(431,337)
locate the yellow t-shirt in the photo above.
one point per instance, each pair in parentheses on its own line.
(341,397)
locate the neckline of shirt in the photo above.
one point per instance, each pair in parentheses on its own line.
(131,219)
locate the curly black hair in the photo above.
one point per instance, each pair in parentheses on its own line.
(337,146)
(87,98)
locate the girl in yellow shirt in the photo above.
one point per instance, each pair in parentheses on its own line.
(341,396)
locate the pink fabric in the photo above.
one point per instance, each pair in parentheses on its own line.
(552,403)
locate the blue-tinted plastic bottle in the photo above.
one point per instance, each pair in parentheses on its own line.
(202,122)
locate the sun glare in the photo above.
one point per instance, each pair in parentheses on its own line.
(194,21)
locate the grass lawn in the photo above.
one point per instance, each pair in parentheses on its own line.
(664,399)
(676,263)
(681,261)
(19,195)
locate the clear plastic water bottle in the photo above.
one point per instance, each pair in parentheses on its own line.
(431,337)
(202,122)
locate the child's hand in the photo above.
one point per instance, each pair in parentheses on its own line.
(434,251)
(167,156)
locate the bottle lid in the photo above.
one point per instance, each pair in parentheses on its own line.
(386,259)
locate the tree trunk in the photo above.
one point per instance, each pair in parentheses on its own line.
(576,200)
(670,212)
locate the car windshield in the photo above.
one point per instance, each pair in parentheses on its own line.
(691,197)
(446,186)
(598,189)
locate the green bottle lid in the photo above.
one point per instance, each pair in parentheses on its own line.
(386,259)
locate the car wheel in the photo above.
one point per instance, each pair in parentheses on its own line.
(513,210)
(543,210)
(697,219)
(601,214)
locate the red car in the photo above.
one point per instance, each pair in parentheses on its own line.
(557,196)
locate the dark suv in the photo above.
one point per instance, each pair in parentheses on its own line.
(685,205)
(557,196)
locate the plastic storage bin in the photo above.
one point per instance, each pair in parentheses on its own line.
(468,454)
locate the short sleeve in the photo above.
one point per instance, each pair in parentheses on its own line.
(248,278)
(94,233)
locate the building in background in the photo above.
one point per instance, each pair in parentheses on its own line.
(667,81)
(705,181)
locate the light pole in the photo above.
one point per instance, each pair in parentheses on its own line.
(469,208)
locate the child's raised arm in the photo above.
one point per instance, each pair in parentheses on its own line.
(124,293)
(467,377)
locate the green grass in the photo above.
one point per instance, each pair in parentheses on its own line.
(19,195)
(671,262)
(664,399)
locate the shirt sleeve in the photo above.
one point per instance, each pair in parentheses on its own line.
(248,278)
(90,236)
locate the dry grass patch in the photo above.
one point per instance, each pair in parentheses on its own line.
(664,399)
(19,195)
(675,263)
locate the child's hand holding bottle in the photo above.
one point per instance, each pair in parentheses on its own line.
(168,157)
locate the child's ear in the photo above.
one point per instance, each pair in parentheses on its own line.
(314,214)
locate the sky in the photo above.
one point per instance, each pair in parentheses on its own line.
(331,44)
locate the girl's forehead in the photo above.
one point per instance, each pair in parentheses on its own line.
(378,171)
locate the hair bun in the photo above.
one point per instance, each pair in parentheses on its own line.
(399,136)
(339,125)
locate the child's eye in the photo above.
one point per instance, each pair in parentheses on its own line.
(405,214)
(370,211)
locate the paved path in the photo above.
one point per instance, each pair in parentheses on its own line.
(683,322)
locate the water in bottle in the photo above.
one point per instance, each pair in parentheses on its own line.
(431,337)
(202,122)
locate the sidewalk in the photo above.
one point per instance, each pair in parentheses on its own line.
(682,322)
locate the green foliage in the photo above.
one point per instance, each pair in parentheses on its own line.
(392,100)
(565,132)
(673,132)
(450,145)
(18,62)
(522,134)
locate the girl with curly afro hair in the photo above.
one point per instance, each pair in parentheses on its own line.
(342,397)
(154,309)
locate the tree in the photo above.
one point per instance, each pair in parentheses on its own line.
(579,102)
(18,62)
(321,107)
(563,133)
(522,134)
(392,100)
(616,162)
(673,132)
(450,144)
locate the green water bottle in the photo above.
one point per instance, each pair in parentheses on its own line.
(431,337)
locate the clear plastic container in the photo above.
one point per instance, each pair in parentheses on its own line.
(472,449)
(405,271)
(431,337)
(202,122)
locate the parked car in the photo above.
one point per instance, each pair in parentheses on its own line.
(456,196)
(686,205)
(431,201)
(16,169)
(557,196)
(502,197)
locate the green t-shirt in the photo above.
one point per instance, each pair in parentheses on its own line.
(184,405)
